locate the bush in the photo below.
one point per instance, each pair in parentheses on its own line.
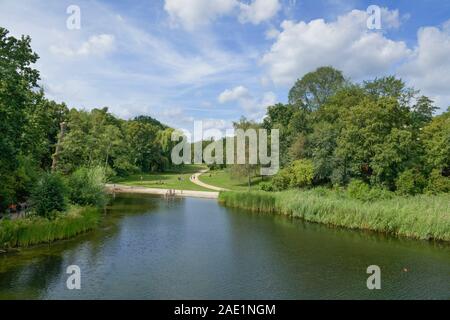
(302,173)
(266,186)
(358,189)
(437,183)
(49,195)
(87,187)
(410,182)
(299,174)
(282,180)
(377,193)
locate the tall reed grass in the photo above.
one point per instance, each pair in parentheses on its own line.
(421,217)
(36,230)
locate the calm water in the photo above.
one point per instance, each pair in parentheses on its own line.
(151,248)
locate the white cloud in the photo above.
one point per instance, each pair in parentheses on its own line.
(390,19)
(429,67)
(192,13)
(254,108)
(95,45)
(269,99)
(218,124)
(272,33)
(159,71)
(258,11)
(236,94)
(346,44)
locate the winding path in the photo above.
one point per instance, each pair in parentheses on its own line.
(195,179)
(118,188)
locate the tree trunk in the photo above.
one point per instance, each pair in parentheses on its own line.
(55,156)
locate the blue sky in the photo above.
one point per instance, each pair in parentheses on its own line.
(215,60)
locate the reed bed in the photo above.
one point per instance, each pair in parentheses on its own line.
(422,217)
(36,230)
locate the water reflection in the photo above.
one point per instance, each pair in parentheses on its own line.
(154,248)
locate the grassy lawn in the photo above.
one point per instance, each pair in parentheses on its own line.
(223,179)
(174,179)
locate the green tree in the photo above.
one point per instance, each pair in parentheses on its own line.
(40,133)
(49,195)
(302,173)
(371,128)
(18,79)
(87,186)
(247,170)
(437,183)
(390,87)
(144,146)
(436,140)
(314,89)
(410,182)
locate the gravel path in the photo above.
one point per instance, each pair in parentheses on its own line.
(195,179)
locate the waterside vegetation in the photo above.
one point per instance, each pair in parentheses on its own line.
(425,217)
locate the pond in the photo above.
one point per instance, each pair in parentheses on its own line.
(149,247)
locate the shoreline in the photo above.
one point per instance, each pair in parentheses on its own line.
(31,231)
(118,188)
(421,218)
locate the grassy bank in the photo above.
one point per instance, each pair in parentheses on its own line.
(224,179)
(421,217)
(36,230)
(176,179)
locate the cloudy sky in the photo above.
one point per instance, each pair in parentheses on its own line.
(215,60)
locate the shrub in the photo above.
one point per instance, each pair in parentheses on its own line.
(282,180)
(49,195)
(299,174)
(266,186)
(437,183)
(377,193)
(358,189)
(410,182)
(87,187)
(302,173)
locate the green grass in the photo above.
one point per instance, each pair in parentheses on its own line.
(36,230)
(174,179)
(421,217)
(223,179)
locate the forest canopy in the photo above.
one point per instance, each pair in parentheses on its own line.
(380,132)
(38,135)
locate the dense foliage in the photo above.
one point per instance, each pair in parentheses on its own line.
(376,138)
(86,187)
(49,195)
(39,136)
(379,132)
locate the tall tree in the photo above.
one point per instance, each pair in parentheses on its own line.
(18,79)
(314,89)
(246,170)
